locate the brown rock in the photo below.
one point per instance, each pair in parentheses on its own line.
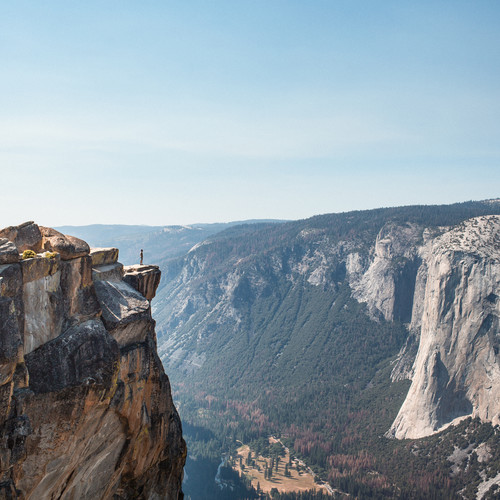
(141,407)
(39,267)
(145,279)
(26,236)
(84,353)
(8,252)
(81,417)
(11,321)
(103,256)
(69,247)
(56,295)
(79,297)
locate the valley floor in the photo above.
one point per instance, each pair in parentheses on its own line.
(300,477)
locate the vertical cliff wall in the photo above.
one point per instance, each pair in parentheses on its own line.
(444,284)
(85,406)
(457,311)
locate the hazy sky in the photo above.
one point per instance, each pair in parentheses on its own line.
(163,112)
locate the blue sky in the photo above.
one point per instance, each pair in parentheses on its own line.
(163,112)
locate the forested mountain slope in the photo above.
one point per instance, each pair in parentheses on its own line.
(158,242)
(295,328)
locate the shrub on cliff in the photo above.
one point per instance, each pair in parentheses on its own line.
(28,254)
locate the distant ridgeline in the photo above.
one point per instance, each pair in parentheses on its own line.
(310,330)
(85,406)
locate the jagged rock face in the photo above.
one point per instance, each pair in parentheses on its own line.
(85,407)
(457,368)
(382,275)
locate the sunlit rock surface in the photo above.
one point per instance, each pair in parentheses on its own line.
(85,406)
(457,369)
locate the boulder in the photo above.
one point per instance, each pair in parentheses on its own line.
(103,256)
(125,312)
(145,279)
(110,272)
(69,247)
(8,252)
(26,236)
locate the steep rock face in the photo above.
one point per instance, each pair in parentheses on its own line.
(386,279)
(193,306)
(457,369)
(85,407)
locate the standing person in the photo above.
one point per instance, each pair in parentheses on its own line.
(142,256)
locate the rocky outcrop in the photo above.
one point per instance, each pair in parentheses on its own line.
(85,406)
(145,279)
(68,247)
(457,369)
(26,236)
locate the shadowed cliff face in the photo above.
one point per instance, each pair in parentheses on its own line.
(85,406)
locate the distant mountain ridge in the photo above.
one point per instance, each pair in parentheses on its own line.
(158,242)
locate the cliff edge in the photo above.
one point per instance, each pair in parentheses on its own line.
(85,406)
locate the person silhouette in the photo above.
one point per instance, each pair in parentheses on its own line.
(142,256)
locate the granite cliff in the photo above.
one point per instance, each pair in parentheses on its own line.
(85,406)
(443,282)
(456,311)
